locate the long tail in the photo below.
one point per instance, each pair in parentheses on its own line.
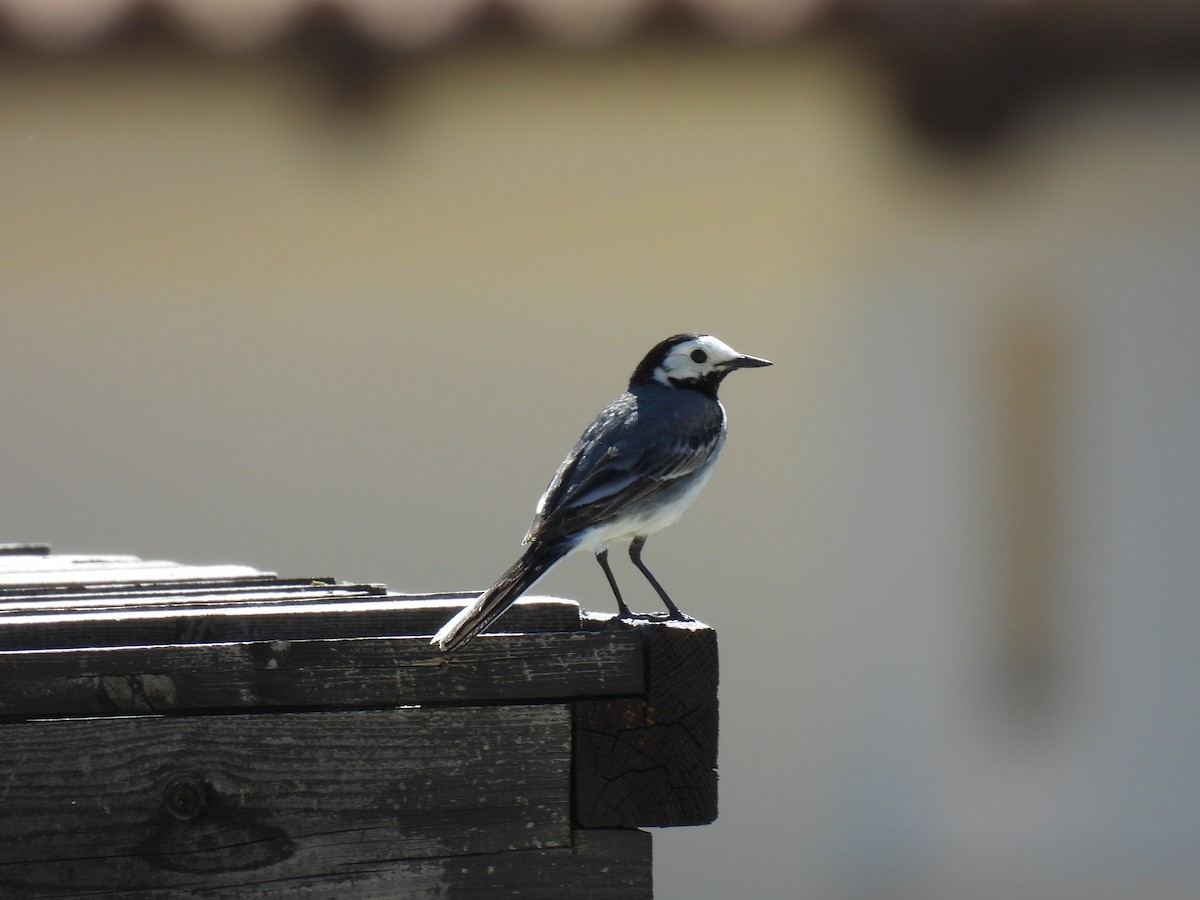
(519,578)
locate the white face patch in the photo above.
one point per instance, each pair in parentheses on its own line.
(695,359)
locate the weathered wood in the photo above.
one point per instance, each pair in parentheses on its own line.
(605,864)
(186,622)
(97,598)
(131,571)
(651,760)
(24,549)
(610,864)
(228,801)
(357,672)
(23,557)
(300,737)
(91,601)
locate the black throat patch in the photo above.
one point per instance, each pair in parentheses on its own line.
(706,385)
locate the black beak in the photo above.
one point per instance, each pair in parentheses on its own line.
(748,362)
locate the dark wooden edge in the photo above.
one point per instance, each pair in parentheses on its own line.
(651,760)
(326,673)
(24,549)
(67,597)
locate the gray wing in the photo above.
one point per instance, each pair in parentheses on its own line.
(623,459)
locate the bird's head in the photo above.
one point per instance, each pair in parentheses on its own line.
(692,361)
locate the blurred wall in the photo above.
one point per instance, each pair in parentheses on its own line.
(951,547)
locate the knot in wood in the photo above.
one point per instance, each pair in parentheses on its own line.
(186,798)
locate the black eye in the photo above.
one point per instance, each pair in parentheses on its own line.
(699,356)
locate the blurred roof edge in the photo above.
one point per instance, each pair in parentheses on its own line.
(962,70)
(244,26)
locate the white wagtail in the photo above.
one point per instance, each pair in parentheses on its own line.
(634,471)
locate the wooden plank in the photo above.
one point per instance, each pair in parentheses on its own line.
(212,802)
(186,596)
(317,674)
(66,586)
(35,574)
(652,760)
(329,789)
(612,864)
(63,601)
(133,572)
(39,593)
(17,558)
(87,562)
(24,549)
(607,864)
(179,623)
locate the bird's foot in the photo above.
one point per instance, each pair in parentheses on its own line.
(629,616)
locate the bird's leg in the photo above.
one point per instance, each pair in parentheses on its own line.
(635,553)
(602,558)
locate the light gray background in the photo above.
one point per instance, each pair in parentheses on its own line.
(239,326)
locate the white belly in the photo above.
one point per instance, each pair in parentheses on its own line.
(655,518)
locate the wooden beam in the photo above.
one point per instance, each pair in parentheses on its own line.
(188,619)
(233,801)
(652,760)
(356,672)
(243,735)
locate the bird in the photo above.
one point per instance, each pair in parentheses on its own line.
(633,472)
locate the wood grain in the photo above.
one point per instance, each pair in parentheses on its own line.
(244,618)
(607,864)
(61,601)
(354,672)
(155,803)
(652,760)
(278,737)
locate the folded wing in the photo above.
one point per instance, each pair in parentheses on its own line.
(619,464)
